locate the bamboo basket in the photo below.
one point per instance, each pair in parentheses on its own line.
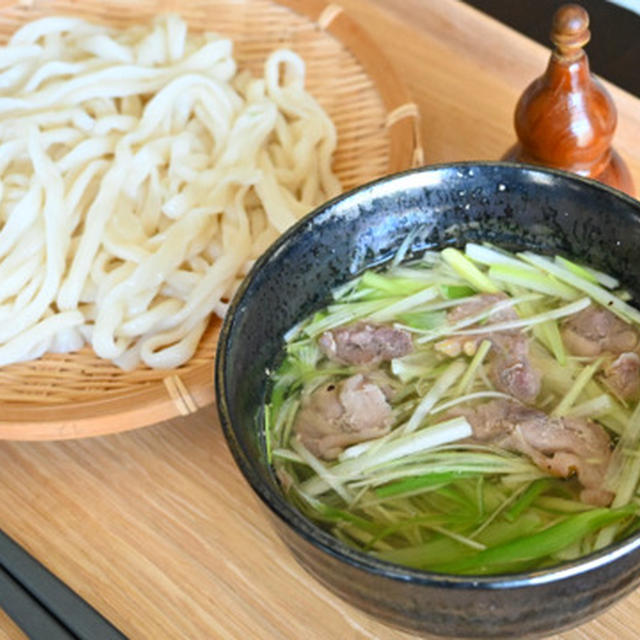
(76,395)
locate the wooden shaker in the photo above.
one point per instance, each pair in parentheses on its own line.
(565,118)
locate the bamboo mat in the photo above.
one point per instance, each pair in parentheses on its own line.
(78,394)
(156,528)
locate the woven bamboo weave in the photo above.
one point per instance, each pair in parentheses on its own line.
(75,395)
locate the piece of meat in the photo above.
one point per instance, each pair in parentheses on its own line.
(453,346)
(365,343)
(478,304)
(338,415)
(510,368)
(560,446)
(622,376)
(595,331)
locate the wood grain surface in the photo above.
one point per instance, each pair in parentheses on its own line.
(156,528)
(8,629)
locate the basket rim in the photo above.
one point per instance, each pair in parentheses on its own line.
(169,398)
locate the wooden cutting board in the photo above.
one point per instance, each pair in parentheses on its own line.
(156,528)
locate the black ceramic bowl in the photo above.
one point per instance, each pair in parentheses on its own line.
(511,205)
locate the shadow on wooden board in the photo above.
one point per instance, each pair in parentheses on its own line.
(614,50)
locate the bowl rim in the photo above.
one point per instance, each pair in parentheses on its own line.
(323,540)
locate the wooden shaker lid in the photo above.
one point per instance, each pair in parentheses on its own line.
(566,118)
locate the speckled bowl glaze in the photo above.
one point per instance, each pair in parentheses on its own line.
(514,206)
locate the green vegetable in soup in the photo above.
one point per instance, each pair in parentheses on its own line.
(472,412)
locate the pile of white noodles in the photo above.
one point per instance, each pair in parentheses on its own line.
(140,176)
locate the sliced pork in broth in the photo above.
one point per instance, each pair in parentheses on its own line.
(465,412)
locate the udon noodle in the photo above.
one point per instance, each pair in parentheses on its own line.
(140,176)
